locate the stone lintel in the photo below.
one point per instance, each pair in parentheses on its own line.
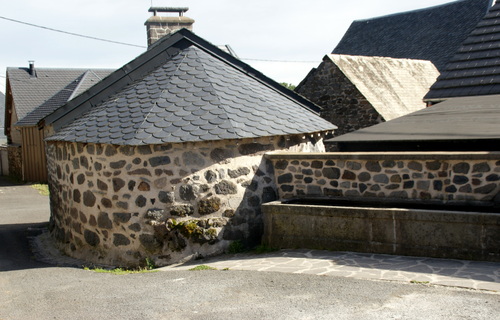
(159,20)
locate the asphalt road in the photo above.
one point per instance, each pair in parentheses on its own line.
(33,290)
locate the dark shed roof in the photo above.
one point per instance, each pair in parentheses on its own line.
(433,33)
(184,89)
(466,123)
(475,68)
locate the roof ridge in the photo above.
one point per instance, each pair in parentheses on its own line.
(79,85)
(411,11)
(155,103)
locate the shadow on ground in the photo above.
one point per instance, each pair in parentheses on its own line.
(15,251)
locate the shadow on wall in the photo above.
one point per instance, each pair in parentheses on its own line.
(207,223)
(171,203)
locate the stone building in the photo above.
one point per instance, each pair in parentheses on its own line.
(464,114)
(164,158)
(357,92)
(432,34)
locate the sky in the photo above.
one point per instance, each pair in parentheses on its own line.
(282,39)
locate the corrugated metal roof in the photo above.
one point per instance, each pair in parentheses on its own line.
(184,89)
(475,68)
(433,33)
(394,87)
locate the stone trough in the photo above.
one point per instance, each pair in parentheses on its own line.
(415,228)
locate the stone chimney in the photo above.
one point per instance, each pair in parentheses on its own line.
(159,26)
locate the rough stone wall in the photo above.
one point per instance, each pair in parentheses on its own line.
(158,27)
(15,161)
(425,176)
(342,103)
(120,205)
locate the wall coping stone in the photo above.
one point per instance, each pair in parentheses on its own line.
(385,155)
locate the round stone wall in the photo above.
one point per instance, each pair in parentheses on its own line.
(119,205)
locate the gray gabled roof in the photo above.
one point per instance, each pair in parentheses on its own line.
(456,119)
(84,81)
(475,68)
(427,34)
(29,92)
(184,89)
(394,87)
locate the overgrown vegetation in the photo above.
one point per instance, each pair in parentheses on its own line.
(43,189)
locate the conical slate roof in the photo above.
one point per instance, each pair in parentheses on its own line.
(196,93)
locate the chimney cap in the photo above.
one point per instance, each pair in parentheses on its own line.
(180,10)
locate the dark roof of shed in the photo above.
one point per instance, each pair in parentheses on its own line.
(475,68)
(464,118)
(30,92)
(184,89)
(433,33)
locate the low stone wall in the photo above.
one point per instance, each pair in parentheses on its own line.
(441,234)
(443,176)
(471,179)
(120,205)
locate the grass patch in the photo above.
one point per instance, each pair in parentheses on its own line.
(43,189)
(119,271)
(419,282)
(202,267)
(148,262)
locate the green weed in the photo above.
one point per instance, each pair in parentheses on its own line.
(202,267)
(236,247)
(119,271)
(43,189)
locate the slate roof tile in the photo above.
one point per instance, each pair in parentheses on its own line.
(435,32)
(195,95)
(36,97)
(475,68)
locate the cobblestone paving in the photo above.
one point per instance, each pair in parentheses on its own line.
(457,273)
